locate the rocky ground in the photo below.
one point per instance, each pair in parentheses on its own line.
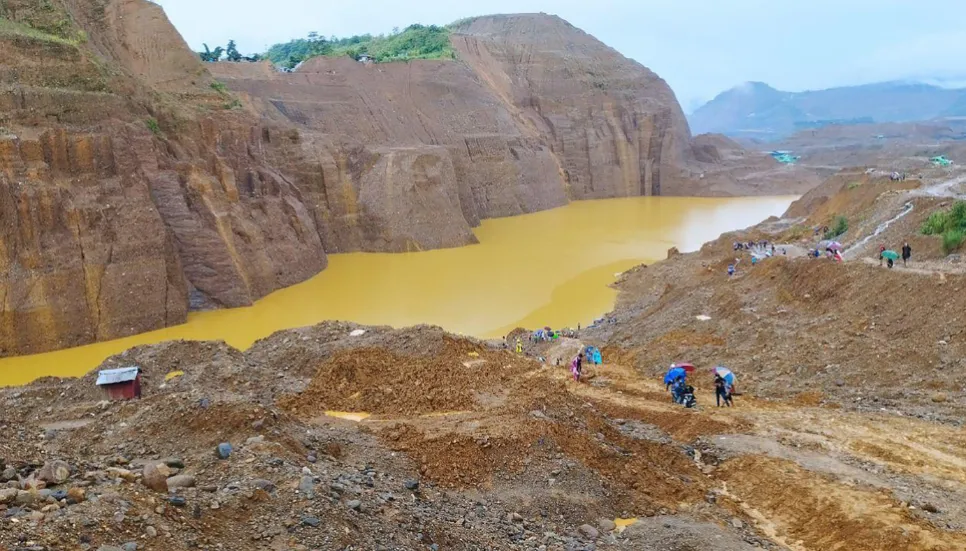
(847,433)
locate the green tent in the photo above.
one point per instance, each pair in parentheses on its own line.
(940,161)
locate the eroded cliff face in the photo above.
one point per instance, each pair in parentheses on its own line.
(118,208)
(132,191)
(400,156)
(615,125)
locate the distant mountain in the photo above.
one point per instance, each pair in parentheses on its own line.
(756,110)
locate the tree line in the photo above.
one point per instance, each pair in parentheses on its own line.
(229,53)
(413,42)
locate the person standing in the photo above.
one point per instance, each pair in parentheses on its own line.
(576,366)
(881,257)
(906,253)
(720,390)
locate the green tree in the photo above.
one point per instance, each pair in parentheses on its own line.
(232,52)
(293,61)
(209,55)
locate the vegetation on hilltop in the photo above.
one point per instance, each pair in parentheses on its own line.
(950,224)
(230,53)
(414,42)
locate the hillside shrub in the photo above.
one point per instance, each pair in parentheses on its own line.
(936,223)
(153,126)
(953,240)
(840,226)
(950,224)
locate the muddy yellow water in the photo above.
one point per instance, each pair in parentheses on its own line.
(548,268)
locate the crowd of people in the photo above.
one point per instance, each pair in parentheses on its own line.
(676,382)
(759,250)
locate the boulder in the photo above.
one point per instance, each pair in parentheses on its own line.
(26,498)
(589,531)
(307,487)
(76,495)
(607,525)
(155,476)
(54,472)
(181,481)
(173,462)
(8,495)
(262,484)
(223,451)
(939,397)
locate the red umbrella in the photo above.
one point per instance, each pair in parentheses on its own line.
(689,368)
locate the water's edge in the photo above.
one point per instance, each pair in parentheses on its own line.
(552,267)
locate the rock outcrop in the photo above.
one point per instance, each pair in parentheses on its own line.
(117,206)
(134,187)
(615,125)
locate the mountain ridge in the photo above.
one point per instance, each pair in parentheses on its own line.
(755,109)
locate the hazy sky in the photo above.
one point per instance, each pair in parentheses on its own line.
(701,47)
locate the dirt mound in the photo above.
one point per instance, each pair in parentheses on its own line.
(472,447)
(377,381)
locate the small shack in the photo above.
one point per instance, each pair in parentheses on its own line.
(123,383)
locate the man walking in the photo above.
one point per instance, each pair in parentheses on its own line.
(906,253)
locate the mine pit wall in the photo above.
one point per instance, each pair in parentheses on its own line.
(109,227)
(615,126)
(382,151)
(84,256)
(516,144)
